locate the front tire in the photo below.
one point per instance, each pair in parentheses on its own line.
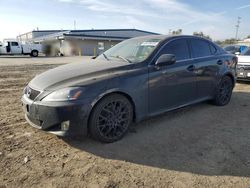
(34,53)
(111,118)
(224,91)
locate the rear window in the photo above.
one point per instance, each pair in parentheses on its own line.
(201,48)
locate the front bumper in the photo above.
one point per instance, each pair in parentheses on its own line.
(50,116)
(243,72)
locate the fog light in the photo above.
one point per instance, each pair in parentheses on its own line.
(65,125)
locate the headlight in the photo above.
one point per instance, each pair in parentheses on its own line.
(25,90)
(65,94)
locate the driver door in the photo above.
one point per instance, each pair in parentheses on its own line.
(15,48)
(173,85)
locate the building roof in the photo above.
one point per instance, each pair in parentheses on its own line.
(96,30)
(37,31)
(84,36)
(101,34)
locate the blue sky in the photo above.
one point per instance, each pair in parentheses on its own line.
(214,17)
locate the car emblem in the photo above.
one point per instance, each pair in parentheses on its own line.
(29,92)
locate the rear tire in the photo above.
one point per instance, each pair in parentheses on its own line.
(34,53)
(111,118)
(224,91)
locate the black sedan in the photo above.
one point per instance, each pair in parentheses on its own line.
(134,80)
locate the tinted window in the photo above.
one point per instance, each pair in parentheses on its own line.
(177,47)
(213,49)
(14,44)
(200,48)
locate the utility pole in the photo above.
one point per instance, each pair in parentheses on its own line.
(237,27)
(74,25)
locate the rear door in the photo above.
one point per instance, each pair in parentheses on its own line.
(207,65)
(15,48)
(173,85)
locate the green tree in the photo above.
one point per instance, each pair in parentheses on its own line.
(226,42)
(177,32)
(201,34)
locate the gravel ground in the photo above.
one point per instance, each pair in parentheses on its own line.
(198,146)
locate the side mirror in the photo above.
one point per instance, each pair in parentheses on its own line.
(237,53)
(166,59)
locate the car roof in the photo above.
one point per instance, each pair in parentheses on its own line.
(167,37)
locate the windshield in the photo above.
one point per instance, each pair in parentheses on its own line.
(246,52)
(132,50)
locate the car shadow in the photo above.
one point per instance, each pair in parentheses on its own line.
(201,139)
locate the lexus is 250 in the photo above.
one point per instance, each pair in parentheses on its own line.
(136,79)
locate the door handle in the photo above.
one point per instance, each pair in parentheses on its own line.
(219,62)
(191,68)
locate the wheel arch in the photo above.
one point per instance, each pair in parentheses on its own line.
(230,75)
(102,96)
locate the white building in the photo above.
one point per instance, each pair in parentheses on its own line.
(81,42)
(244,42)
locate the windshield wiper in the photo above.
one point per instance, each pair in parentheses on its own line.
(123,58)
(105,56)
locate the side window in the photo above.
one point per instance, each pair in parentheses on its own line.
(213,49)
(14,44)
(177,47)
(200,48)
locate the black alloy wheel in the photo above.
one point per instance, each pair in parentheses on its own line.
(224,91)
(111,118)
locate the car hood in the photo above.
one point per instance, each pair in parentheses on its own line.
(76,73)
(244,60)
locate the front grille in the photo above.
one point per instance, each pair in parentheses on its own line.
(31,93)
(243,67)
